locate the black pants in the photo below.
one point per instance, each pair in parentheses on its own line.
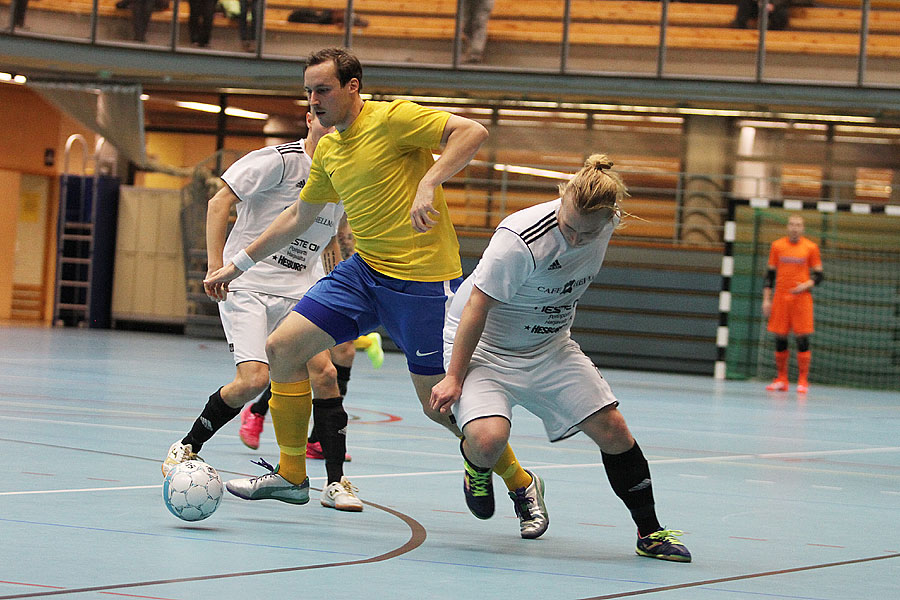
(19,13)
(140,17)
(200,21)
(247,25)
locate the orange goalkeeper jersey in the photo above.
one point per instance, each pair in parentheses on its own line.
(792,262)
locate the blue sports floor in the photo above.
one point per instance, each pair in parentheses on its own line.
(778,498)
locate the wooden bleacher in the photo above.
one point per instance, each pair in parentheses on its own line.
(829,28)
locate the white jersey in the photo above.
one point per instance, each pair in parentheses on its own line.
(536,276)
(267,181)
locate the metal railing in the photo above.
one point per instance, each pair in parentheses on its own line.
(565,63)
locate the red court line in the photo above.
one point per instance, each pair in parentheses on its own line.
(681,586)
(416,538)
(135,596)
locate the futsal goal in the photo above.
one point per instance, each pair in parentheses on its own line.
(857,307)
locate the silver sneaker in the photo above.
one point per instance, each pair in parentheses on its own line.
(270,486)
(178,453)
(341,495)
(530,508)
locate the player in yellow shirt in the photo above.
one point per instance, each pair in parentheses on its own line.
(379,164)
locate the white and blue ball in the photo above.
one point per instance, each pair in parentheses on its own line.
(192,490)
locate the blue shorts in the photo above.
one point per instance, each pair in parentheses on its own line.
(354,299)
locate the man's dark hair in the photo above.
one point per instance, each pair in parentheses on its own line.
(345,63)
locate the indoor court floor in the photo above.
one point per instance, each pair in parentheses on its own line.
(779,497)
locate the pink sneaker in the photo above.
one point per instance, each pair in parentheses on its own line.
(314,450)
(251,427)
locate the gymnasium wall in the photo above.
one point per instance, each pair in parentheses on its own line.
(32,127)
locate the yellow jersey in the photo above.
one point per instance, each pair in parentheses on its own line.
(374,168)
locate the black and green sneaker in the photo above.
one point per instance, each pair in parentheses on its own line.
(664,545)
(479,489)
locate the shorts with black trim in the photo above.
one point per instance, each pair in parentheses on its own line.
(561,386)
(248,318)
(354,299)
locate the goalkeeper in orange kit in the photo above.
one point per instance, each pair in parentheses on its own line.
(795,266)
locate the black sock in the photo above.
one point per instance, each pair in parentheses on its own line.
(313,436)
(261,406)
(213,417)
(343,376)
(331,426)
(629,475)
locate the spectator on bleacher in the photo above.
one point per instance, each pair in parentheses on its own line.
(778,14)
(474,15)
(200,22)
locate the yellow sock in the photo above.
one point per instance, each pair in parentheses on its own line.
(291,405)
(362,342)
(508,467)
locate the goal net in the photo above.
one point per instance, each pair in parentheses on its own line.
(857,307)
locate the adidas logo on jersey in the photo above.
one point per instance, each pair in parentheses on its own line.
(554,266)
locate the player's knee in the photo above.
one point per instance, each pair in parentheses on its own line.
(253,380)
(485,443)
(322,376)
(277,349)
(344,353)
(781,344)
(802,343)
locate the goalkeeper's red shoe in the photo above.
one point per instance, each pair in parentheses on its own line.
(778,385)
(802,386)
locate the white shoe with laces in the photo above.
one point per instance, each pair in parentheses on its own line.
(530,508)
(178,453)
(270,486)
(341,495)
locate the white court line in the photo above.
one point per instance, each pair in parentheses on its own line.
(83,424)
(827,487)
(103,489)
(83,409)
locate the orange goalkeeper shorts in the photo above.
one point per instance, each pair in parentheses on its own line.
(791,313)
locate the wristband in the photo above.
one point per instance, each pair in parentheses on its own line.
(242,261)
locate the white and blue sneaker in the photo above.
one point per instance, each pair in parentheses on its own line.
(270,486)
(530,508)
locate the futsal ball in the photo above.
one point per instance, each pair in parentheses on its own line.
(192,490)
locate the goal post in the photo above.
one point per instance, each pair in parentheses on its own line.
(857,307)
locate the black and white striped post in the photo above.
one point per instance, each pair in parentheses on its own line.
(729,234)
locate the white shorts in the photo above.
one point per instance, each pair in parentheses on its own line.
(248,318)
(562,387)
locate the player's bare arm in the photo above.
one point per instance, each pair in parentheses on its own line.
(471,326)
(331,255)
(809,283)
(217,213)
(290,224)
(461,139)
